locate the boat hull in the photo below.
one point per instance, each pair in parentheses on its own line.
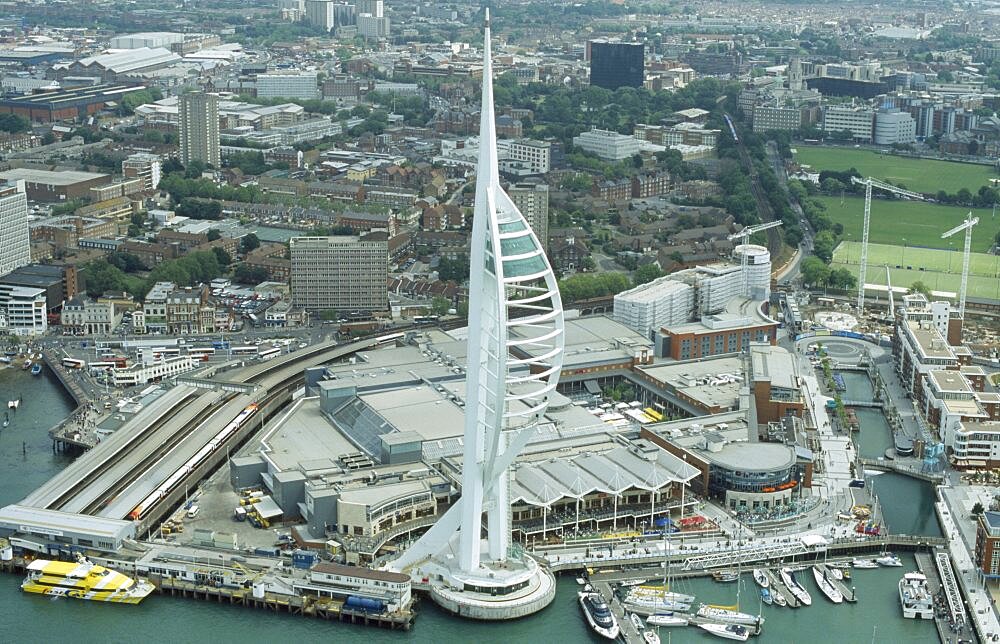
(722,630)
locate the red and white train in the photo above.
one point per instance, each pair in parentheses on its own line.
(174,479)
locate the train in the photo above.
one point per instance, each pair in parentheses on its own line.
(732,129)
(142,510)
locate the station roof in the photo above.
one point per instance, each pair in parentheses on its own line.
(21,518)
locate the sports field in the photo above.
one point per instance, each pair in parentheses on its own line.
(920,175)
(919,223)
(940,270)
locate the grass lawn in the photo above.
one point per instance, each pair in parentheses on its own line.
(919,223)
(920,175)
(940,270)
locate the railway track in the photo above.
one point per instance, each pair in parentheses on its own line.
(760,197)
(154,457)
(137,440)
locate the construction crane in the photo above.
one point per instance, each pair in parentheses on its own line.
(888,286)
(870,183)
(744,235)
(966,225)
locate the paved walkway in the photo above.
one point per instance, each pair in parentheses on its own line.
(961,533)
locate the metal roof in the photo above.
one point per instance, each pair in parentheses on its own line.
(21,518)
(612,472)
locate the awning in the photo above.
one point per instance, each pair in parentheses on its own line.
(592,387)
(267,508)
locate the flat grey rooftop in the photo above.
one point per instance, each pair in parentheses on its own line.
(305,435)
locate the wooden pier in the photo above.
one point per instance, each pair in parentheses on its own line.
(321,607)
(849,592)
(778,586)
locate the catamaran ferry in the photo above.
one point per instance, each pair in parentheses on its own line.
(83,580)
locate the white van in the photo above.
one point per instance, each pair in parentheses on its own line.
(193,511)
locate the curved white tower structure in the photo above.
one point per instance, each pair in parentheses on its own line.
(755,261)
(515,353)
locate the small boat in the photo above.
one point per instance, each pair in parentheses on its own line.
(4,360)
(766,596)
(779,599)
(599,615)
(633,582)
(801,594)
(727,631)
(6,419)
(728,615)
(36,369)
(637,623)
(827,588)
(581,581)
(726,576)
(650,637)
(27,364)
(889,560)
(667,619)
(835,572)
(864,563)
(761,578)
(13,404)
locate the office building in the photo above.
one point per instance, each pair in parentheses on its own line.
(616,64)
(145,167)
(894,127)
(375,8)
(608,145)
(859,121)
(532,199)
(198,118)
(374,27)
(288,85)
(22,310)
(527,157)
(15,244)
(321,13)
(342,273)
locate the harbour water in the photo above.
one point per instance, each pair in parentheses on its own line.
(26,460)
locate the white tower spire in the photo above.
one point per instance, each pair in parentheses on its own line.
(515,353)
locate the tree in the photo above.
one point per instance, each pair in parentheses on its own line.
(199,209)
(249,242)
(14,123)
(841,278)
(453,270)
(646,273)
(247,275)
(213,234)
(440,305)
(920,287)
(222,256)
(823,245)
(977,509)
(814,271)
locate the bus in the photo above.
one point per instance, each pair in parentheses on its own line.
(652,413)
(220,346)
(267,354)
(73,363)
(201,355)
(244,351)
(97,367)
(425,319)
(166,352)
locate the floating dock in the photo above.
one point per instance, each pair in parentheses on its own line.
(779,587)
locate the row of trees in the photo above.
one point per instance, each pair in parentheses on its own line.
(108,275)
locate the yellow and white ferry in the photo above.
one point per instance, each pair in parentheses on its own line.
(83,580)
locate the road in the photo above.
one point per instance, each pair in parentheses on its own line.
(791,272)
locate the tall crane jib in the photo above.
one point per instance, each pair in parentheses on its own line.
(870,183)
(744,236)
(966,225)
